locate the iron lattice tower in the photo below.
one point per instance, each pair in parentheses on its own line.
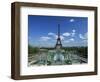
(58,43)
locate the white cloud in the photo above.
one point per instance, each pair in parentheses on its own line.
(72,39)
(50,33)
(62,37)
(73,30)
(84,37)
(56,36)
(73,34)
(72,20)
(45,38)
(69,40)
(81,36)
(66,34)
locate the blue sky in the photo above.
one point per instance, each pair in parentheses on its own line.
(42,30)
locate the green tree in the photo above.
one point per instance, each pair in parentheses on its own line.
(32,50)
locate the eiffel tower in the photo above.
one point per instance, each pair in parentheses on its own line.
(58,43)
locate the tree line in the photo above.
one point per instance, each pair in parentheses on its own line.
(81,51)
